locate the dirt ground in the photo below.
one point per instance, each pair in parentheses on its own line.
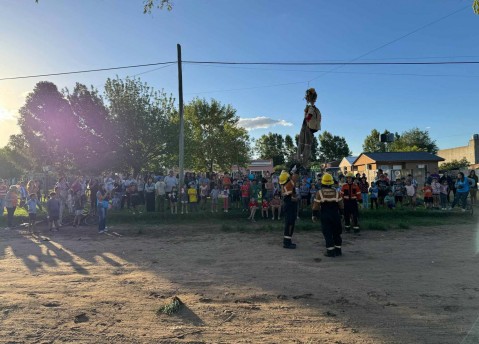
(415,286)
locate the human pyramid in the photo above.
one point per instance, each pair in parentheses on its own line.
(329,204)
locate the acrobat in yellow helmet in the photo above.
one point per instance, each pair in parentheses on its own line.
(350,175)
(283,177)
(327,179)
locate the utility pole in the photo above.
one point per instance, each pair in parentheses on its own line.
(182,122)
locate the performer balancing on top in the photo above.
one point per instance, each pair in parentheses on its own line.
(311,124)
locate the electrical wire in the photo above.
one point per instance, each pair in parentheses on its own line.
(332,63)
(87,71)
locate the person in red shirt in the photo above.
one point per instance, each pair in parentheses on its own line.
(427,192)
(264,208)
(276,206)
(245,193)
(351,194)
(253,206)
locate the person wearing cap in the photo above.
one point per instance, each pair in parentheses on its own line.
(328,205)
(3,194)
(311,124)
(290,201)
(351,194)
(11,202)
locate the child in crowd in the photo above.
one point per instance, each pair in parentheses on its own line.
(373,195)
(78,204)
(53,209)
(436,192)
(276,206)
(253,206)
(225,195)
(443,194)
(193,197)
(203,195)
(398,191)
(184,199)
(245,193)
(69,202)
(32,204)
(390,201)
(427,192)
(312,193)
(174,201)
(264,208)
(214,198)
(411,193)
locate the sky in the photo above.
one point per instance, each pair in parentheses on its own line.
(60,36)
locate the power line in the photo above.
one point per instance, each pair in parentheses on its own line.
(332,63)
(87,71)
(398,39)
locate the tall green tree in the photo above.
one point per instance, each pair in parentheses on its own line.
(332,147)
(7,168)
(48,126)
(213,139)
(139,114)
(372,144)
(97,140)
(290,148)
(414,140)
(455,164)
(271,146)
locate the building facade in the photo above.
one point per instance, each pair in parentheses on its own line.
(470,152)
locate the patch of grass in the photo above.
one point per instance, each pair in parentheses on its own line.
(403,225)
(376,225)
(170,308)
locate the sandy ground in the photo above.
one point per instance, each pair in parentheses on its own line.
(416,286)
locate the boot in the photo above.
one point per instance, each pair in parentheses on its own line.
(356,230)
(347,229)
(288,244)
(337,251)
(330,252)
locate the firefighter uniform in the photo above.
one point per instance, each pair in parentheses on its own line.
(329,205)
(351,194)
(290,206)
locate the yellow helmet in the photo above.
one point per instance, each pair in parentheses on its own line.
(327,179)
(283,177)
(350,175)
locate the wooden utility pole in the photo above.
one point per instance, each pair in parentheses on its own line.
(182,123)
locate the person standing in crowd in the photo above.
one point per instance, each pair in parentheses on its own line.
(193,197)
(436,192)
(225,195)
(373,195)
(170,181)
(351,194)
(328,205)
(245,194)
(150,195)
(290,201)
(390,200)
(183,198)
(22,193)
(78,205)
(11,203)
(444,193)
(140,188)
(473,186)
(214,194)
(160,194)
(364,187)
(53,210)
(462,190)
(102,198)
(427,194)
(93,186)
(173,197)
(61,189)
(203,195)
(383,187)
(3,195)
(410,193)
(450,183)
(32,204)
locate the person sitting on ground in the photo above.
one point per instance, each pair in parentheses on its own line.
(390,201)
(253,206)
(264,208)
(276,207)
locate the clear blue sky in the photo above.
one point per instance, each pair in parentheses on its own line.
(55,36)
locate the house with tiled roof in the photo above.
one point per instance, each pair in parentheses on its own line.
(397,164)
(346,165)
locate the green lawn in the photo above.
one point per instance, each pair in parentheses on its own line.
(235,219)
